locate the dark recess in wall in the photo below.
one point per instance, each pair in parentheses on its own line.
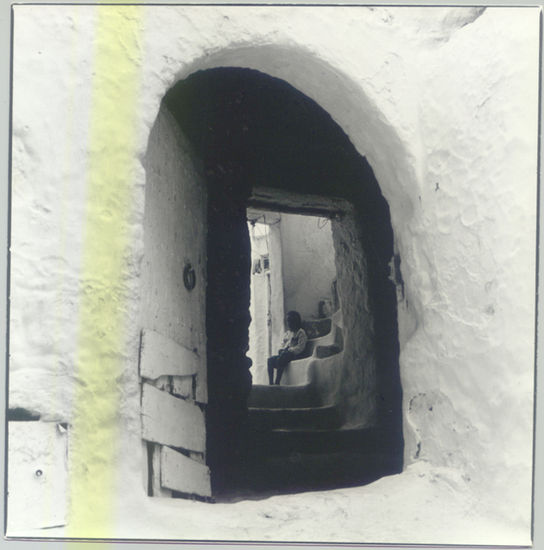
(249,129)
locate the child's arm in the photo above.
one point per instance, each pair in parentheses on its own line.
(299,347)
(285,342)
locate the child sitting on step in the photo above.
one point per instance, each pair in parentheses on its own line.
(293,344)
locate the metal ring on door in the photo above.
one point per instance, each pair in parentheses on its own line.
(189,277)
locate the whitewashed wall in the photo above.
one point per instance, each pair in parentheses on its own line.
(442,102)
(259,307)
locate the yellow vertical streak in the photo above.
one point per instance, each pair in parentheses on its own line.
(94,432)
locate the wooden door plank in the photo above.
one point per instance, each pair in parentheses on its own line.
(172,421)
(201,394)
(160,356)
(157,490)
(180,473)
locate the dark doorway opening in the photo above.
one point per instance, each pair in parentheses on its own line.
(292,269)
(261,141)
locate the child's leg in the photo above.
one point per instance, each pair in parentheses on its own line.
(272,361)
(282,362)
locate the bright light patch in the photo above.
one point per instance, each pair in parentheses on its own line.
(94,432)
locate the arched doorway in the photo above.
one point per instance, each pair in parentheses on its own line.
(256,136)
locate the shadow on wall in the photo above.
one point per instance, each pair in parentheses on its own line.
(252,131)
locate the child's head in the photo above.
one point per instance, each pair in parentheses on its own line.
(293,320)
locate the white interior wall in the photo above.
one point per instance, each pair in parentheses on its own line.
(258,329)
(308,263)
(262,335)
(259,306)
(276,279)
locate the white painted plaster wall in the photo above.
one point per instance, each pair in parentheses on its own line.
(308,263)
(38,460)
(277,309)
(430,96)
(47,208)
(259,306)
(258,329)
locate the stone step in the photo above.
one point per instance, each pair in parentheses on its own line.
(288,461)
(326,351)
(283,442)
(317,471)
(322,418)
(321,341)
(283,397)
(298,372)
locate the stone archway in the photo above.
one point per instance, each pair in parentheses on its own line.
(251,131)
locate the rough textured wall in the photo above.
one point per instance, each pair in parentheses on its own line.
(174,236)
(469,275)
(358,383)
(47,209)
(443,104)
(308,262)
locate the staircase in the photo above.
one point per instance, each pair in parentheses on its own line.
(297,441)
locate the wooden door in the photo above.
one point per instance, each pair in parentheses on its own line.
(173,340)
(173,422)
